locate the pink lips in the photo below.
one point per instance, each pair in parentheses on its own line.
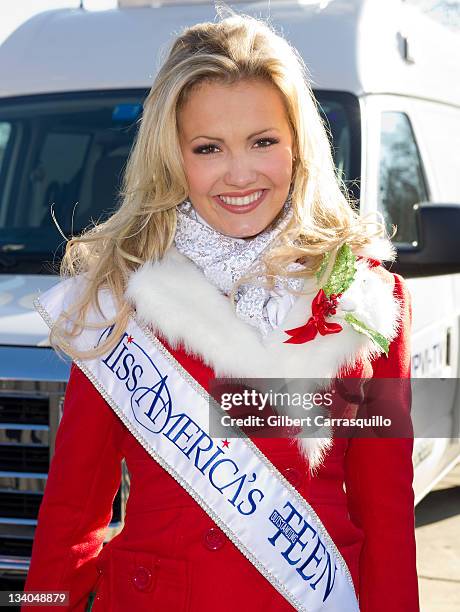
(240,210)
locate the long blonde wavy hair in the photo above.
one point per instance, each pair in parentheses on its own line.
(235,47)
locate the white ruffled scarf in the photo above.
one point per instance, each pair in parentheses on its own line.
(224,260)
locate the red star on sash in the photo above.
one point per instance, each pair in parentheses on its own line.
(225,443)
(130,339)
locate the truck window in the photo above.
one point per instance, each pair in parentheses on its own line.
(5,142)
(5,131)
(61,153)
(339,129)
(401,183)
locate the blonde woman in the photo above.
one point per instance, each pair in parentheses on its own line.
(234,253)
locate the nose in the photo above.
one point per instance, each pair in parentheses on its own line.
(240,172)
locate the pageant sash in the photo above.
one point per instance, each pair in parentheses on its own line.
(167,411)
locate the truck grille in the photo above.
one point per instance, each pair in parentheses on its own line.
(25,410)
(23,458)
(16,547)
(20,505)
(30,411)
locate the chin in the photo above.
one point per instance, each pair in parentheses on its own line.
(247,232)
(246,229)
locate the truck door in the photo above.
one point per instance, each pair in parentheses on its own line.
(399,176)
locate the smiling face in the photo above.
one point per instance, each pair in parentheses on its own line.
(237,145)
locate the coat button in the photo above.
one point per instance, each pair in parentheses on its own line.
(214,538)
(142,578)
(293,476)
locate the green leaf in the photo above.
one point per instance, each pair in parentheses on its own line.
(360,327)
(323,266)
(343,272)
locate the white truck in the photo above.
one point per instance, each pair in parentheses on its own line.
(72,84)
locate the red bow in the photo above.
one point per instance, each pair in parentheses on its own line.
(321,307)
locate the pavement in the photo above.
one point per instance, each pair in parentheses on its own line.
(437,532)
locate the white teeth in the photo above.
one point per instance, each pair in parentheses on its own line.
(241,201)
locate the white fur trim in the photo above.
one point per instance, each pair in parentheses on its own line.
(380,249)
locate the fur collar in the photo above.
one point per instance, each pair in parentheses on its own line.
(173,298)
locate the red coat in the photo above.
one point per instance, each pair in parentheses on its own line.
(170,555)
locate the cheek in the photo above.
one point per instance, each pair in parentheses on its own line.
(201,174)
(279,168)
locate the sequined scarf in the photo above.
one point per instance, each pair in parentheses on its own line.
(224,260)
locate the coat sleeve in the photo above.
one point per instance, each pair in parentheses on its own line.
(378,480)
(83,479)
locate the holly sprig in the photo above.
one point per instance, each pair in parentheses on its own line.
(343,272)
(340,279)
(360,327)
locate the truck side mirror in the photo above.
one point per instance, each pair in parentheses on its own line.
(438,250)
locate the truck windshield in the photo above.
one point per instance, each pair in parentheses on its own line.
(64,156)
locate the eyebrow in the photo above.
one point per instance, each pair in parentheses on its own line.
(249,137)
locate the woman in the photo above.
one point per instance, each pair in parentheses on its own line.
(236,247)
